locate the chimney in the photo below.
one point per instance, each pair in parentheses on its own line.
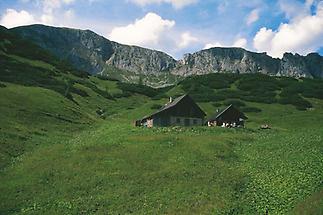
(170,99)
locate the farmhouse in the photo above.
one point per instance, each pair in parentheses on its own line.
(229,117)
(182,111)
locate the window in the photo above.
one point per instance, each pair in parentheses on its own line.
(178,120)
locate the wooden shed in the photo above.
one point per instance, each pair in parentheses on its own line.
(229,117)
(182,111)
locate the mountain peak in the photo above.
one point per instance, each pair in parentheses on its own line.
(91,52)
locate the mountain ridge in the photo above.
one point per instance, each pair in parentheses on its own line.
(91,52)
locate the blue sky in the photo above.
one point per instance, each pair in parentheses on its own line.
(181,26)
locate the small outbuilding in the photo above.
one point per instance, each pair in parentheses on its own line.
(229,117)
(182,111)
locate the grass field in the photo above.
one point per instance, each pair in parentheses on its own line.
(68,145)
(91,165)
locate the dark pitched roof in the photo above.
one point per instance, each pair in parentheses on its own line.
(217,115)
(169,106)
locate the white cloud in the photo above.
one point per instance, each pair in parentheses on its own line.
(212,45)
(51,13)
(146,31)
(47,19)
(253,17)
(301,35)
(13,18)
(178,4)
(50,7)
(186,40)
(240,43)
(291,8)
(262,40)
(296,9)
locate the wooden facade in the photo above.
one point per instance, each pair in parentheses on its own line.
(229,117)
(183,111)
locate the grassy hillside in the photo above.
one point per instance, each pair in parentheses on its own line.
(67,144)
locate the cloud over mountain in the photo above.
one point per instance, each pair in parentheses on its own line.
(146,31)
(303,34)
(12,18)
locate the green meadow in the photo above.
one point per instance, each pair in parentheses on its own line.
(68,144)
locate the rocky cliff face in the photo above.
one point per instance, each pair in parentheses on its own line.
(233,60)
(91,52)
(84,49)
(314,63)
(139,60)
(237,60)
(96,54)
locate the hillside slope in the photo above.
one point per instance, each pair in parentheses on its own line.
(44,98)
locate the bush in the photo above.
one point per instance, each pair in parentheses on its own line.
(106,78)
(236,103)
(159,96)
(258,81)
(122,95)
(286,81)
(296,100)
(79,92)
(230,94)
(80,73)
(93,87)
(250,110)
(211,81)
(313,93)
(2,85)
(216,104)
(139,89)
(207,97)
(156,106)
(302,104)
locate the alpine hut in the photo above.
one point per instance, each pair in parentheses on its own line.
(182,111)
(229,117)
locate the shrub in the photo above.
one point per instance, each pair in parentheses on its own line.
(79,92)
(296,100)
(122,95)
(231,94)
(139,89)
(302,104)
(261,82)
(286,81)
(159,96)
(211,81)
(2,85)
(208,96)
(251,109)
(216,104)
(80,73)
(93,87)
(236,103)
(313,93)
(156,106)
(106,78)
